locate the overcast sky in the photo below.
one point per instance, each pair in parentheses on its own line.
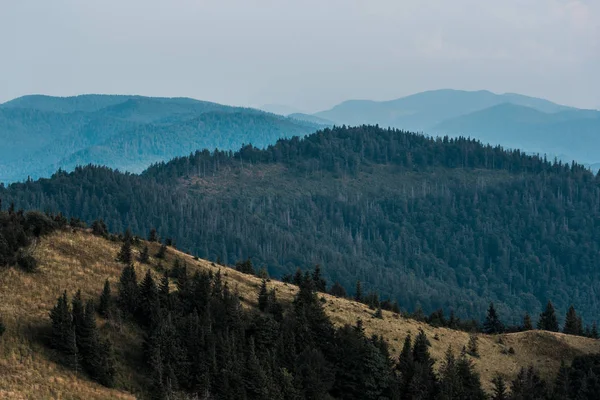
(308,54)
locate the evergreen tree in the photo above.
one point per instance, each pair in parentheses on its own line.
(548,321)
(450,385)
(499,391)
(245,267)
(298,277)
(594,331)
(492,324)
(125,254)
(319,281)
(472,346)
(145,255)
(562,382)
(337,290)
(528,385)
(358,295)
(527,325)
(162,252)
(149,305)
(263,296)
(105,306)
(2,326)
(63,331)
(164,291)
(424,383)
(378,313)
(469,380)
(571,326)
(153,236)
(128,290)
(99,228)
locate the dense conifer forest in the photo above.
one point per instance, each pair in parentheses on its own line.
(432,223)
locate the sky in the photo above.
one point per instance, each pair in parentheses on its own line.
(306,54)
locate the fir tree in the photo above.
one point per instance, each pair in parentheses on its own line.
(125,254)
(298,277)
(492,324)
(149,306)
(594,331)
(337,290)
(499,391)
(164,291)
(263,296)
(571,326)
(128,290)
(105,306)
(548,321)
(162,252)
(2,326)
(469,379)
(145,255)
(319,281)
(378,313)
(527,325)
(63,331)
(562,382)
(153,236)
(472,347)
(358,295)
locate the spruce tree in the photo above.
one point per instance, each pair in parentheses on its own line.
(548,321)
(153,236)
(2,326)
(562,382)
(527,325)
(145,255)
(128,290)
(594,331)
(149,305)
(337,290)
(105,306)
(125,254)
(162,252)
(319,281)
(164,291)
(450,385)
(571,326)
(263,296)
(469,379)
(492,324)
(63,332)
(298,277)
(499,391)
(358,295)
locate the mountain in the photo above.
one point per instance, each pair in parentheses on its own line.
(511,120)
(280,109)
(192,345)
(421,111)
(431,223)
(41,134)
(311,118)
(572,133)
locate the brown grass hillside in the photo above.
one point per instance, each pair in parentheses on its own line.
(79,260)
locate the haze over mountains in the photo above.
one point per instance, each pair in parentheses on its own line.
(511,120)
(40,134)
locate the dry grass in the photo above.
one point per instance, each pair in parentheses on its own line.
(79,260)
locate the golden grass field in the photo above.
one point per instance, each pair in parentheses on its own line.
(78,260)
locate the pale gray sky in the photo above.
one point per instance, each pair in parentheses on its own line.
(309,54)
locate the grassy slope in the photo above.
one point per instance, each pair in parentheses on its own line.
(80,260)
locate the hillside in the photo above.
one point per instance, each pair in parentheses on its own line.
(41,134)
(75,259)
(433,223)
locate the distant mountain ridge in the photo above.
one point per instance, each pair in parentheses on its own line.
(40,134)
(511,120)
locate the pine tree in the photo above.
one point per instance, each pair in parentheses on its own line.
(63,331)
(107,370)
(562,382)
(319,282)
(492,324)
(2,326)
(472,347)
(378,313)
(145,255)
(571,326)
(162,252)
(337,290)
(548,321)
(263,296)
(105,306)
(469,380)
(87,340)
(424,383)
(594,332)
(499,391)
(164,291)
(527,325)
(450,385)
(128,290)
(125,254)
(298,277)
(149,305)
(153,236)
(358,295)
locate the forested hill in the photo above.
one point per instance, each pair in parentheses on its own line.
(436,223)
(41,134)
